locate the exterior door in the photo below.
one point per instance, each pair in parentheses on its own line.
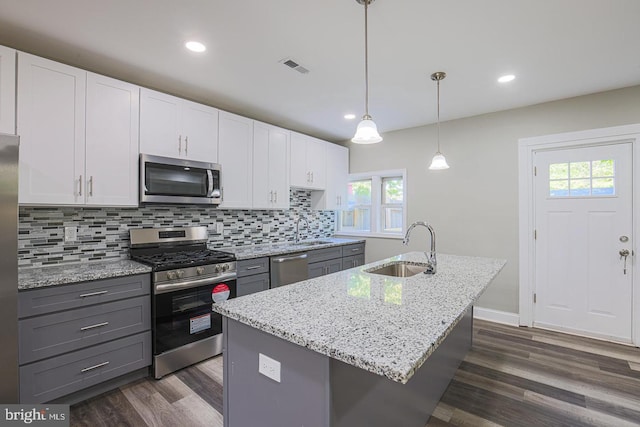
(583,223)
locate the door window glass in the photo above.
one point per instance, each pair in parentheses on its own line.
(582,179)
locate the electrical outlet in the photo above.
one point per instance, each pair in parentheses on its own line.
(268,367)
(219,228)
(70,234)
(266,228)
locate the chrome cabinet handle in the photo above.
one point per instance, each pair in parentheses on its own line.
(80,184)
(270,196)
(91,186)
(311,176)
(92,294)
(179,144)
(91,368)
(253,267)
(285,259)
(276,197)
(186,145)
(97,325)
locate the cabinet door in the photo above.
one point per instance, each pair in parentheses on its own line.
(262,191)
(235,155)
(252,284)
(278,167)
(316,162)
(51,125)
(317,269)
(199,130)
(159,124)
(298,172)
(111,142)
(337,175)
(7,90)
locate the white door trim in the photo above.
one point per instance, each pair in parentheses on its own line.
(526,149)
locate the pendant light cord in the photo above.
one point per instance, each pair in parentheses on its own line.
(438,116)
(366,62)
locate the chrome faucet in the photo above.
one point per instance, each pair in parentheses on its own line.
(431,256)
(297,235)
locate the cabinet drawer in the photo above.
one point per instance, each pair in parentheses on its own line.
(57,333)
(252,284)
(318,255)
(252,266)
(352,261)
(65,297)
(52,378)
(350,250)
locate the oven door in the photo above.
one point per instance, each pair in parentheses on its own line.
(185,316)
(167,180)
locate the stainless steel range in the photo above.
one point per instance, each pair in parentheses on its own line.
(187,279)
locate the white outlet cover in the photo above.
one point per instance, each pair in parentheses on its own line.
(269,367)
(266,228)
(219,228)
(70,234)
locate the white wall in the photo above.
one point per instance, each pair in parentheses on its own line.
(473,206)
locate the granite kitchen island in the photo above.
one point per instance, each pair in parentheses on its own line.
(351,348)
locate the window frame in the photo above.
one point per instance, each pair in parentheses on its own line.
(376,226)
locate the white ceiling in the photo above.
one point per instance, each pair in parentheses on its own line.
(556,48)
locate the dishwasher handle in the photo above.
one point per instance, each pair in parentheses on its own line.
(291,258)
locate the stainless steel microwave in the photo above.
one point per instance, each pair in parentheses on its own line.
(178,181)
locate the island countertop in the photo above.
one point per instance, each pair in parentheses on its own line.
(385,325)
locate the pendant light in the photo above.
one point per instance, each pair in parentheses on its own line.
(438,162)
(367,131)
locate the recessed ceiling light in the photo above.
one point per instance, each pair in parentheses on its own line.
(349,116)
(195,46)
(506,78)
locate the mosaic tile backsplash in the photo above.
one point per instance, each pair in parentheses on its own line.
(103,233)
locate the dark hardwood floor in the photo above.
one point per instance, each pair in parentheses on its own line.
(511,377)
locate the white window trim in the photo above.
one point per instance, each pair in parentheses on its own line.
(376,204)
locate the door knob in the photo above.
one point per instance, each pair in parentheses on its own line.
(624,253)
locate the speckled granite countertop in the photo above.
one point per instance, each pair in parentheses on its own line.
(280,248)
(385,325)
(40,277)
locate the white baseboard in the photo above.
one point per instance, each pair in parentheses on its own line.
(497,316)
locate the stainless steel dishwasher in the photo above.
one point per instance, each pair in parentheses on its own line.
(288,269)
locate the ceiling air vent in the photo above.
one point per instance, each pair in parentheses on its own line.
(294,65)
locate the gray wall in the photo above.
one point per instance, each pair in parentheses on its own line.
(473,206)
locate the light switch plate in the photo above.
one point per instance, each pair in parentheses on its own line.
(70,234)
(266,228)
(219,228)
(269,367)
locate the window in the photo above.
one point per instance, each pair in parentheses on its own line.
(582,179)
(375,204)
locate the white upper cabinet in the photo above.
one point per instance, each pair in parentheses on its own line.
(175,127)
(307,162)
(111,167)
(78,136)
(270,167)
(51,124)
(337,176)
(7,90)
(235,155)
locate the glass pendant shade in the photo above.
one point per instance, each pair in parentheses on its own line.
(438,162)
(366,132)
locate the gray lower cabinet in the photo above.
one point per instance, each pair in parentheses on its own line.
(318,269)
(352,261)
(334,259)
(76,336)
(253,276)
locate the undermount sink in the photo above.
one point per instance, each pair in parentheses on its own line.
(312,243)
(399,269)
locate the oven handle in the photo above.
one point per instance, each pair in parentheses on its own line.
(188,284)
